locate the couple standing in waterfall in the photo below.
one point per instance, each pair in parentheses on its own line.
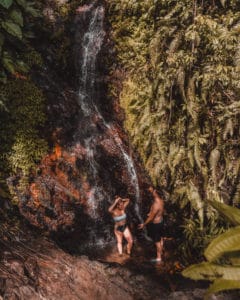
(154,223)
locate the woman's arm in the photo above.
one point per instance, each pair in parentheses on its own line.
(111,208)
(126,202)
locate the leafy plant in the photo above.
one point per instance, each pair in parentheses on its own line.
(222,254)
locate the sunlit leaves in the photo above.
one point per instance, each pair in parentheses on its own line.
(210,271)
(228,212)
(223,285)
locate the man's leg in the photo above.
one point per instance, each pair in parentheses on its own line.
(159,248)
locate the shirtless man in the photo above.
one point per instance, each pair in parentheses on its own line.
(154,223)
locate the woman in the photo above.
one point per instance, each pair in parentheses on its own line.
(117,210)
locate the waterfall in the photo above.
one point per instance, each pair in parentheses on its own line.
(91,43)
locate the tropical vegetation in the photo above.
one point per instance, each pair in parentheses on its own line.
(180,61)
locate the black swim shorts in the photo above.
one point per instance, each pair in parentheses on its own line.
(155,231)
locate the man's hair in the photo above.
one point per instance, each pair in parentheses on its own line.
(158,191)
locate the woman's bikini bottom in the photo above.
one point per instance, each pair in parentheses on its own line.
(121,228)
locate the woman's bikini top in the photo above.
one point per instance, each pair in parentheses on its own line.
(120,218)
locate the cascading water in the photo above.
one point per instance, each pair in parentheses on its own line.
(91,45)
(89,132)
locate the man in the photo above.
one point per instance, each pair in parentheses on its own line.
(154,223)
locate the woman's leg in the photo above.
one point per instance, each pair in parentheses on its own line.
(128,236)
(119,237)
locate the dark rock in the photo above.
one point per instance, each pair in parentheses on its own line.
(31,270)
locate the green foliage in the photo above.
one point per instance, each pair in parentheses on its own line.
(197,239)
(27,150)
(223,285)
(12,28)
(230,213)
(181,99)
(211,271)
(32,58)
(16,17)
(223,255)
(228,241)
(22,145)
(6,3)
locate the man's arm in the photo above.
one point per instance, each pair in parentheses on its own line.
(151,215)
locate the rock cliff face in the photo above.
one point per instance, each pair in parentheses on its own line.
(91,160)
